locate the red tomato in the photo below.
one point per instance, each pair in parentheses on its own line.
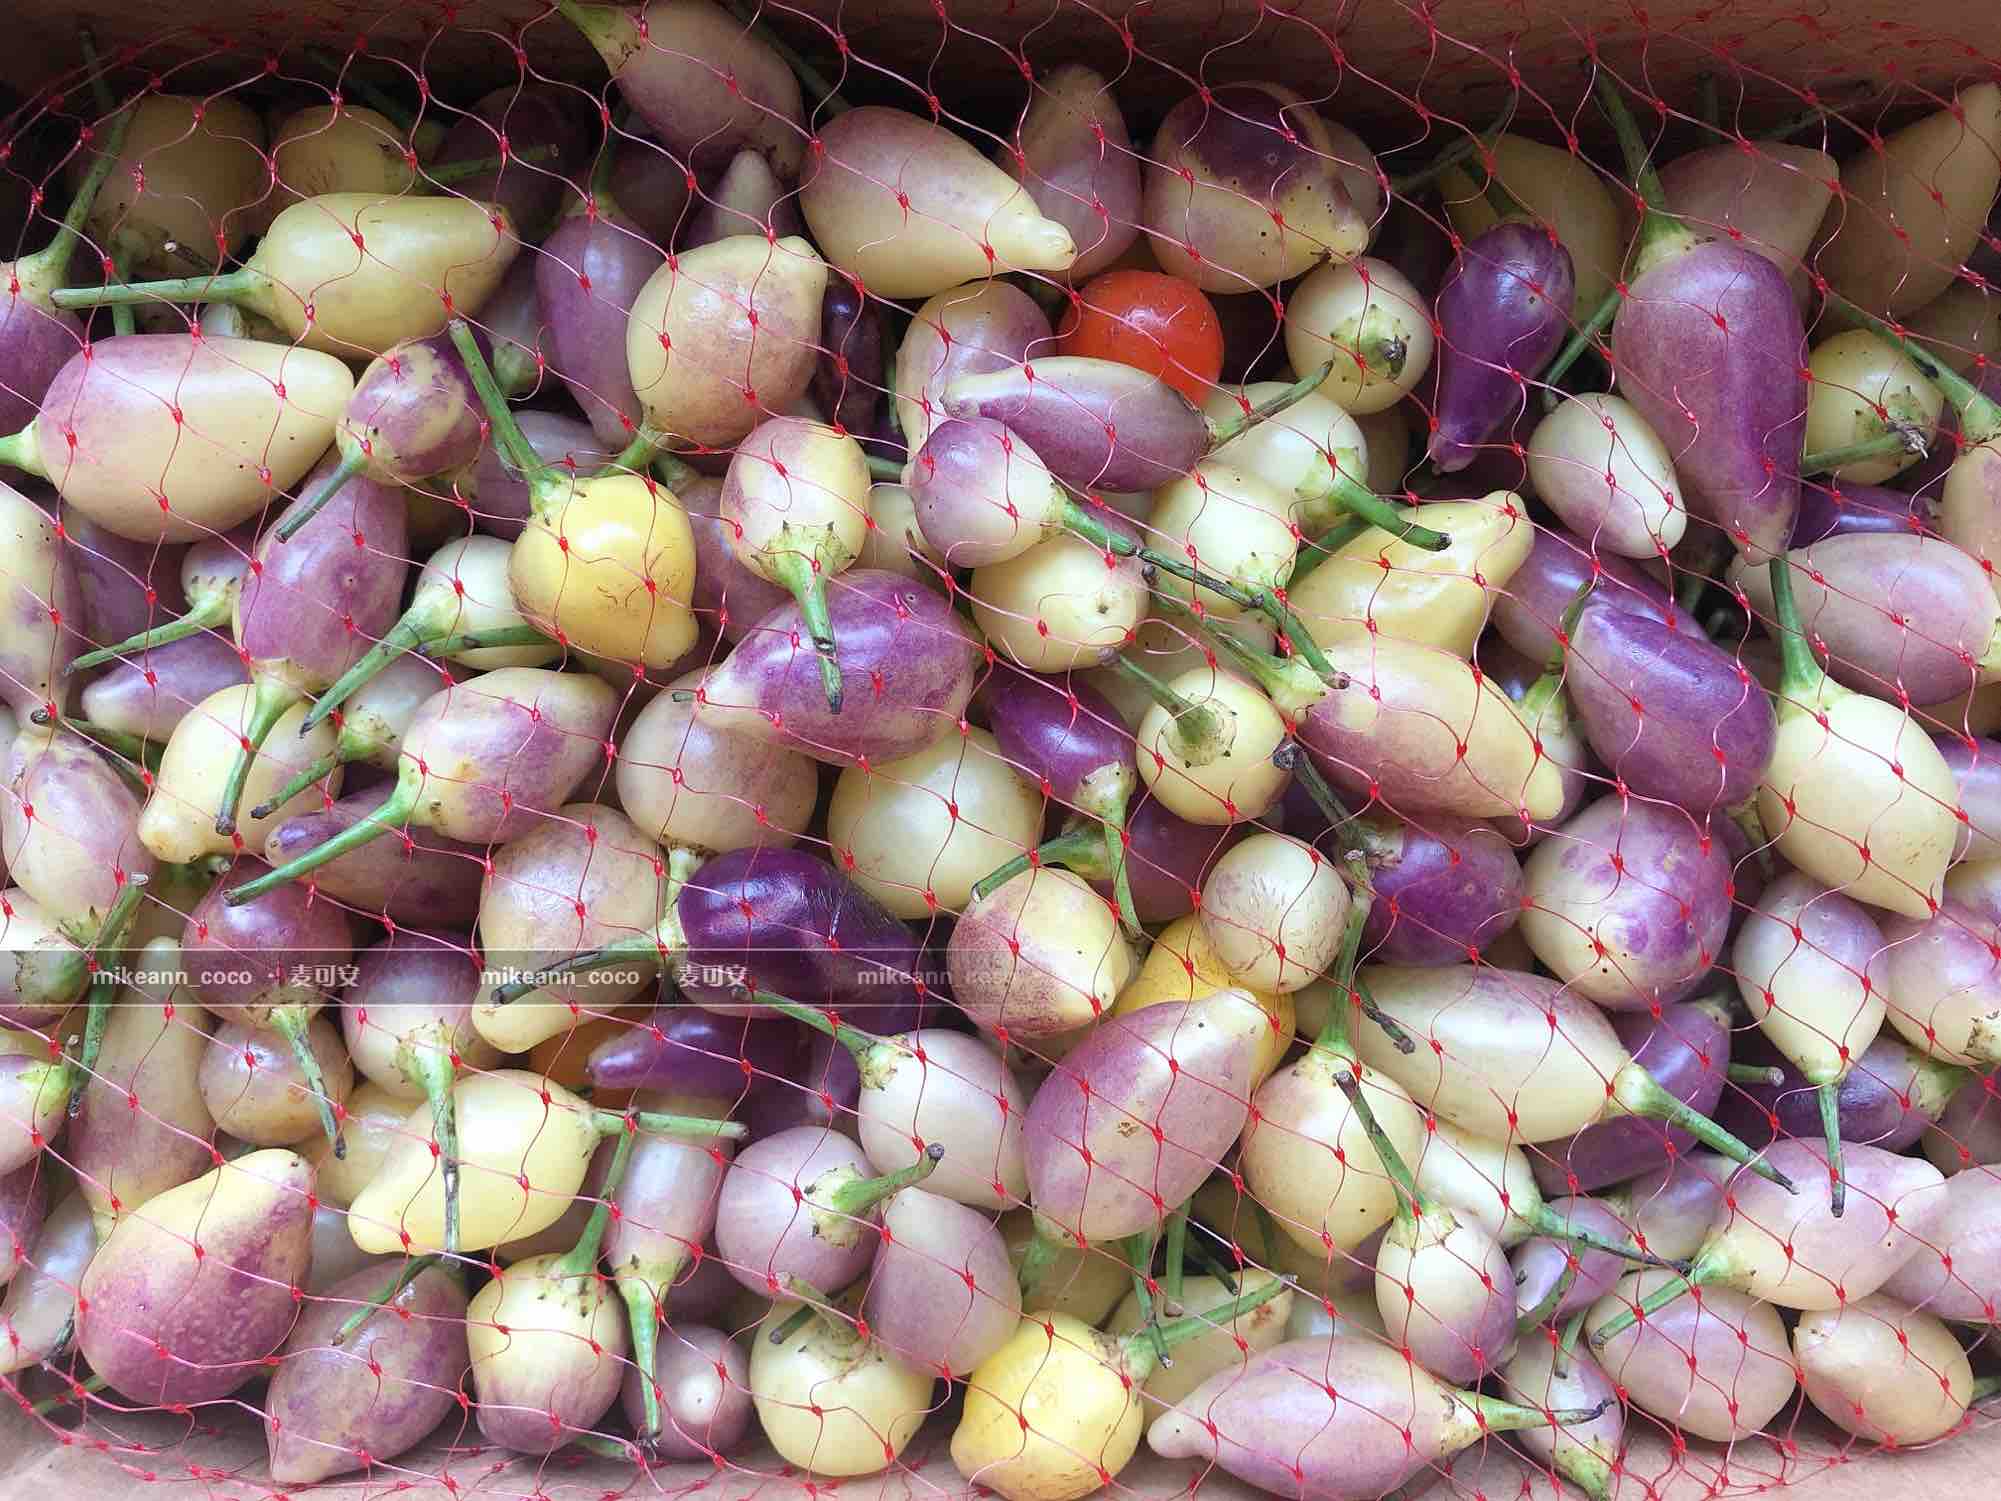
(1153,322)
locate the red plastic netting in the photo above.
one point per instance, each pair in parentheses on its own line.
(1064,750)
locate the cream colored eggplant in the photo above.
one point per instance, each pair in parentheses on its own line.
(1371,322)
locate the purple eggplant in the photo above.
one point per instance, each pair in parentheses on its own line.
(150,694)
(1168,858)
(125,587)
(512,320)
(1445,887)
(1074,155)
(822,1092)
(700,1382)
(24,1202)
(1956,1274)
(1887,1100)
(413,876)
(1839,509)
(1975,765)
(653,187)
(1527,612)
(1541,1262)
(785,921)
(727,594)
(1671,715)
(586,278)
(1504,309)
(542,138)
(1097,425)
(907,661)
(747,198)
(850,379)
(1687,1049)
(968,331)
(1710,349)
(499,496)
(694,1051)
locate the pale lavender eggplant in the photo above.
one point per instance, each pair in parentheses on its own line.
(1006,330)
(1976,771)
(691,1050)
(35,344)
(663,1210)
(821,1093)
(701,1378)
(512,321)
(62,788)
(150,692)
(705,1290)
(1537,1380)
(1956,1274)
(413,983)
(766,1235)
(1444,887)
(851,377)
(727,595)
(1829,509)
(1710,350)
(977,495)
(517,122)
(412,874)
(1884,1102)
(1967,1133)
(586,278)
(1074,155)
(1669,1209)
(246,961)
(941,1294)
(785,921)
(500,497)
(396,406)
(124,587)
(38,588)
(908,662)
(652,187)
(1097,424)
(748,198)
(312,606)
(1168,858)
(1057,732)
(1894,610)
(24,1203)
(334,1409)
(1504,311)
(1120,1127)
(1528,611)
(1687,1049)
(1541,1262)
(1678,718)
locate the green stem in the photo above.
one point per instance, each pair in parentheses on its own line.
(1401,1040)
(1334,1036)
(1038,1255)
(23,451)
(1289,684)
(268,705)
(513,444)
(205,614)
(428,1065)
(1637,1092)
(1982,1389)
(1582,338)
(415,629)
(293,1023)
(1652,1304)
(1139,1256)
(140,752)
(1113,827)
(49,267)
(1195,730)
(96,1020)
(853,1038)
(857,1198)
(1567,1345)
(1755,1073)
(675,474)
(1241,421)
(1071,848)
(411,1271)
(642,1317)
(319,769)
(582,1258)
(1506,1417)
(794,1322)
(1662,236)
(1801,677)
(1207,1258)
(1174,1281)
(352,463)
(124,321)
(1316,550)
(485,640)
(800,574)
(74,1393)
(392,812)
(637,456)
(1979,415)
(1539,1315)
(1144,1348)
(1898,440)
(1830,1127)
(888,470)
(1547,1222)
(243,287)
(1339,493)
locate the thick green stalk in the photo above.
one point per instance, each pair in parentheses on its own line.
(1316,550)
(1139,1256)
(353,461)
(1653,1303)
(1507,1417)
(798,572)
(1114,827)
(581,1259)
(1802,677)
(1662,235)
(1581,339)
(392,812)
(656,1123)
(318,770)
(1901,440)
(138,751)
(245,287)
(203,615)
(1830,1126)
(1071,849)
(1241,421)
(293,1023)
(1539,1315)
(427,1063)
(1175,1280)
(484,640)
(1755,1073)
(515,449)
(23,451)
(45,271)
(267,706)
(1145,1348)
(859,1197)
(1342,493)
(414,630)
(1290,685)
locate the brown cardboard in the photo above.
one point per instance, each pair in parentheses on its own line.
(1367,59)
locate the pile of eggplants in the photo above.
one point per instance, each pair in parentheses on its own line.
(708,774)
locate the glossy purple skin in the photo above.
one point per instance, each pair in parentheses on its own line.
(115,575)
(1527,612)
(1101,1158)
(1443,887)
(651,187)
(531,118)
(822,1092)
(703,1414)
(851,377)
(1056,732)
(1967,1290)
(500,498)
(1540,1262)
(412,874)
(1975,765)
(24,1200)
(941,1293)
(765,1234)
(1000,339)
(79,797)
(317,603)
(1168,858)
(1097,424)
(586,278)
(1688,1051)
(1710,350)
(908,663)
(35,343)
(1831,509)
(1704,729)
(334,1409)
(1505,310)
(691,1050)
(786,921)
(241,960)
(1876,1102)
(727,594)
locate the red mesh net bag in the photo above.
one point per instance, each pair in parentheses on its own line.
(995,751)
